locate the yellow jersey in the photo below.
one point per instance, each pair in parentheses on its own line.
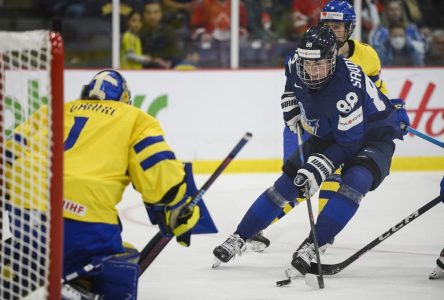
(107,145)
(366,57)
(130,43)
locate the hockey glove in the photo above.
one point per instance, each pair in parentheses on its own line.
(402,119)
(177,220)
(291,111)
(317,168)
(181,219)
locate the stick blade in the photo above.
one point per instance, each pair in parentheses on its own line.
(315,281)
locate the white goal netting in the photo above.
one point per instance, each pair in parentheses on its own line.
(27,163)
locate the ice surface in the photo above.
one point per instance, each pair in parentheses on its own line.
(398,268)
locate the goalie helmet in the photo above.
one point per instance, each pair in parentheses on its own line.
(339,11)
(317,54)
(107,85)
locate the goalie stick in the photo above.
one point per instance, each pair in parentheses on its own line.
(336,268)
(158,242)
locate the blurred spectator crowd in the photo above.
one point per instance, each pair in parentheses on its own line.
(188,34)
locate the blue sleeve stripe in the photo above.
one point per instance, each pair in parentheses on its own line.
(374,78)
(20,139)
(147,142)
(154,159)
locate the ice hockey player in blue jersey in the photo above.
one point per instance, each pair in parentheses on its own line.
(351,125)
(341,18)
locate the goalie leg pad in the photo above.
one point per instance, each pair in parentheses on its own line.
(119,275)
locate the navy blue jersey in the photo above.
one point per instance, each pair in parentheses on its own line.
(346,112)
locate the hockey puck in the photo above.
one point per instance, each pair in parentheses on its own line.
(284,282)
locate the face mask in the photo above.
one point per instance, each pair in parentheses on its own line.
(397,42)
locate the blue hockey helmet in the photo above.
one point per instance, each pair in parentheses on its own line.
(339,11)
(107,85)
(317,53)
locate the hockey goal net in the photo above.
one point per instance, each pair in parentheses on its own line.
(31,164)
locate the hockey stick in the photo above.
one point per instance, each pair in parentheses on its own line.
(158,242)
(320,278)
(336,268)
(423,136)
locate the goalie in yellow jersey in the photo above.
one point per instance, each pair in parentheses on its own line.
(341,18)
(108,145)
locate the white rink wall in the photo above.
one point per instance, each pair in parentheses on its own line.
(207,111)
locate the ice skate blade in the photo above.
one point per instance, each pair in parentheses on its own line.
(216,263)
(314,281)
(436,274)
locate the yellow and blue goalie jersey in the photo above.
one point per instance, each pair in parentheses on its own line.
(27,165)
(366,57)
(107,145)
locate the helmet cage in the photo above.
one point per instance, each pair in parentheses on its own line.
(314,73)
(316,56)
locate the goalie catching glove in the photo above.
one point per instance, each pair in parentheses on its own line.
(317,168)
(291,111)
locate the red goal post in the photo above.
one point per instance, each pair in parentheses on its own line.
(31,164)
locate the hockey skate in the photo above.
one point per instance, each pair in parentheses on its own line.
(303,257)
(228,250)
(438,272)
(258,242)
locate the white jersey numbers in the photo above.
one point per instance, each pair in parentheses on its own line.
(346,106)
(292,61)
(372,91)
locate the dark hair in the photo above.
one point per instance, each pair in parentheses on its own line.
(396,25)
(132,13)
